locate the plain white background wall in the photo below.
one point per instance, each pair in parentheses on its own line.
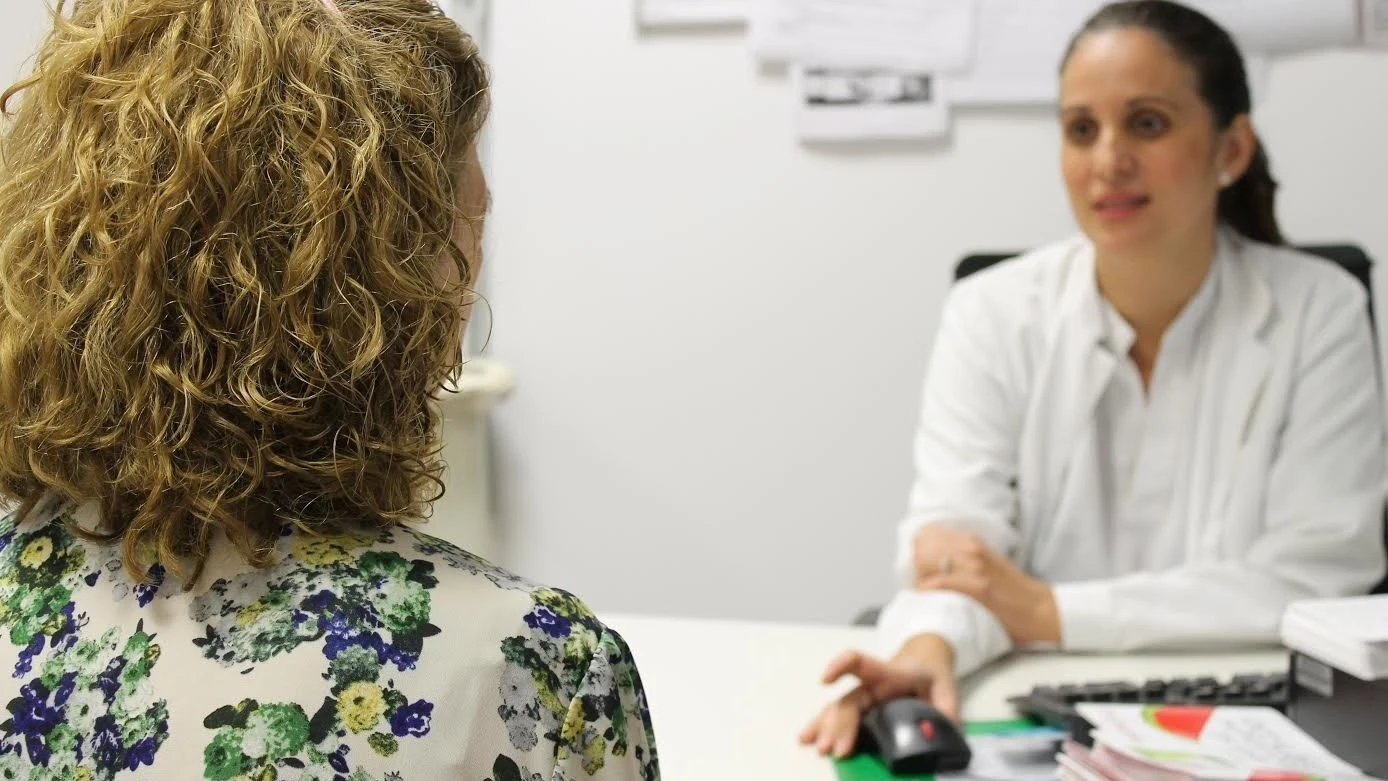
(22,24)
(720,335)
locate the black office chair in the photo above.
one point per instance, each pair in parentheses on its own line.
(1349,257)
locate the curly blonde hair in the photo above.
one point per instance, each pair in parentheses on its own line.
(225,242)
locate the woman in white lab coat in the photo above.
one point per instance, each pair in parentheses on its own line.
(1153,435)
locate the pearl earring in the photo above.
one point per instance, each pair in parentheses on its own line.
(1225,179)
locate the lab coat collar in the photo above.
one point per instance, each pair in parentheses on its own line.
(1244,292)
(1118,335)
(1245,303)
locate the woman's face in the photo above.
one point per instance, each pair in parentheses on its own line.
(1141,157)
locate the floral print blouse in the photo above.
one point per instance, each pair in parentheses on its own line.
(397,657)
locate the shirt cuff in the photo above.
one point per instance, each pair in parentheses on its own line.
(972,630)
(1087,615)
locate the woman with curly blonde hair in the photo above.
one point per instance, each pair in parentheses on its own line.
(236,239)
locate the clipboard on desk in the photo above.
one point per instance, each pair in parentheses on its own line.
(863,767)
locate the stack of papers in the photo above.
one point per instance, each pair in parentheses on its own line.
(1350,634)
(1197,743)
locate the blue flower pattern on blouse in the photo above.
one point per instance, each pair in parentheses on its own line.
(84,706)
(87,712)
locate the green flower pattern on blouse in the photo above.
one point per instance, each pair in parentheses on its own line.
(570,696)
(368,612)
(569,680)
(90,712)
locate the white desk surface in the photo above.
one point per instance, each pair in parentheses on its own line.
(728,698)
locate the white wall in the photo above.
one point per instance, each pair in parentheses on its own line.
(719,335)
(23,24)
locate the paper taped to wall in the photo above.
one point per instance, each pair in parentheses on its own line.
(1017,53)
(1286,26)
(1021,42)
(864,105)
(656,13)
(901,35)
(1373,22)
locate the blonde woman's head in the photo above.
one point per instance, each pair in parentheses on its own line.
(222,230)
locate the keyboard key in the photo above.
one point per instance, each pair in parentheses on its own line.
(1070,693)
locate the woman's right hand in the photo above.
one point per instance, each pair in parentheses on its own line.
(924,667)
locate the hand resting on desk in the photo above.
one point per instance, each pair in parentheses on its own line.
(949,559)
(924,667)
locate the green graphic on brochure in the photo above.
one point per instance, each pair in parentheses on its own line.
(863,767)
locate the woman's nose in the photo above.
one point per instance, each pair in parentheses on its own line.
(1114,160)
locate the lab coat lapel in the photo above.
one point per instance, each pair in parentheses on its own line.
(1080,369)
(1249,304)
(1236,373)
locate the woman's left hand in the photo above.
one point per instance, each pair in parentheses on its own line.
(1025,606)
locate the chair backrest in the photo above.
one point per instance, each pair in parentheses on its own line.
(1348,256)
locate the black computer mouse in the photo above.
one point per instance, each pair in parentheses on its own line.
(912,737)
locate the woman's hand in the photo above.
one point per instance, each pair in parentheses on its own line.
(924,667)
(952,560)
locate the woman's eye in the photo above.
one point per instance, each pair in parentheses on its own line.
(1081,131)
(1148,123)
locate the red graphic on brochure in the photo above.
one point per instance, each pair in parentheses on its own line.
(1186,721)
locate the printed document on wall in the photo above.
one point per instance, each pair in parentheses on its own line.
(1373,15)
(1017,55)
(901,35)
(659,13)
(1286,26)
(868,105)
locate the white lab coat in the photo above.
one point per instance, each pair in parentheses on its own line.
(1285,491)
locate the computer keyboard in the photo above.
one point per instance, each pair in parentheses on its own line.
(1054,705)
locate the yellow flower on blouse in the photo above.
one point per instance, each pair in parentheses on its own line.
(361,706)
(36,552)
